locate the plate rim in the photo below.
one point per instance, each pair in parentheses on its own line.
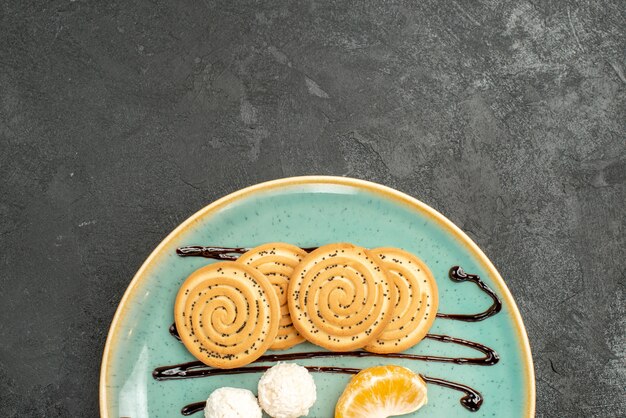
(379,189)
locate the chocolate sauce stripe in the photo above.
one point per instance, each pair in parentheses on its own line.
(456,274)
(491,356)
(472,399)
(218,253)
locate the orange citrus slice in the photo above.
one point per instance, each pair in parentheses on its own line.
(381,392)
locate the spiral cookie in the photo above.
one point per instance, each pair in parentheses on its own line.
(227,314)
(417,302)
(340,298)
(277,261)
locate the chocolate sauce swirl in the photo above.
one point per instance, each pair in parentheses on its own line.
(218,253)
(196,368)
(174,331)
(472,400)
(192,408)
(457,274)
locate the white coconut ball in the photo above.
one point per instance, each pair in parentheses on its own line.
(287,390)
(232,403)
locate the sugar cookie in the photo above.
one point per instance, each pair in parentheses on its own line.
(340,297)
(417,301)
(227,314)
(277,260)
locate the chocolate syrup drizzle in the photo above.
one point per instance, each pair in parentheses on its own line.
(472,399)
(195,368)
(218,253)
(457,274)
(192,408)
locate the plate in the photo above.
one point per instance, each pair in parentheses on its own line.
(309,211)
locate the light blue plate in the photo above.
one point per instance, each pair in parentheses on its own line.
(309,211)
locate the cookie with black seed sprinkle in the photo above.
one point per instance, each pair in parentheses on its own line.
(227,314)
(416,306)
(340,297)
(276,260)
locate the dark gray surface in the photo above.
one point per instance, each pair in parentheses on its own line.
(119,120)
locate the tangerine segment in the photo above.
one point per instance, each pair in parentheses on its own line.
(340,297)
(277,260)
(381,392)
(417,303)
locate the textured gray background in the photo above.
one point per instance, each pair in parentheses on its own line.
(119,120)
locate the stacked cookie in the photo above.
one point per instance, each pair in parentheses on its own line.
(340,296)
